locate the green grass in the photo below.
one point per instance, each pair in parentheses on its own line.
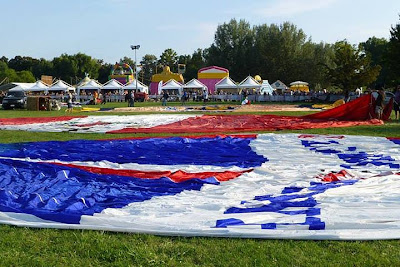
(48,247)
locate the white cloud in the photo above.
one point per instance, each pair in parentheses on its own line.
(288,8)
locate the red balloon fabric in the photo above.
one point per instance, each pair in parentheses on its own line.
(357,112)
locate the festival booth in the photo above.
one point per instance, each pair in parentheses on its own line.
(227,86)
(84,81)
(299,86)
(18,88)
(39,88)
(173,88)
(112,91)
(59,89)
(86,90)
(165,75)
(61,86)
(141,90)
(140,87)
(227,89)
(266,88)
(250,85)
(112,85)
(194,85)
(280,88)
(210,76)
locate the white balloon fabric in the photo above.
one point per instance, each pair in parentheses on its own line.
(285,186)
(95,124)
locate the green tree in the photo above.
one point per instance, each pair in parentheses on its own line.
(169,58)
(377,49)
(14,76)
(351,68)
(5,72)
(43,67)
(19,63)
(104,71)
(128,61)
(86,65)
(65,67)
(283,52)
(25,76)
(4,59)
(310,64)
(394,55)
(149,65)
(194,63)
(233,48)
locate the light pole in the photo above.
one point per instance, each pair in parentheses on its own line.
(135,47)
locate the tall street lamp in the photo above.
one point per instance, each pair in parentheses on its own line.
(135,47)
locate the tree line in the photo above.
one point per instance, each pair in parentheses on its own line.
(272,51)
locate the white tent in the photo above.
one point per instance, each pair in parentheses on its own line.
(227,85)
(173,86)
(61,86)
(266,88)
(91,85)
(84,81)
(21,86)
(112,85)
(249,83)
(18,88)
(39,86)
(279,85)
(298,83)
(140,86)
(195,84)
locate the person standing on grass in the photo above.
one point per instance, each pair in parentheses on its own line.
(396,103)
(380,103)
(69,103)
(164,98)
(205,95)
(132,99)
(184,97)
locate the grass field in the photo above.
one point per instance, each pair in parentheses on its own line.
(47,247)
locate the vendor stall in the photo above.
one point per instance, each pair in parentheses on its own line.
(173,88)
(226,86)
(250,85)
(299,86)
(86,91)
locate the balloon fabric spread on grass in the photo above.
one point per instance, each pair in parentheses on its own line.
(264,186)
(357,112)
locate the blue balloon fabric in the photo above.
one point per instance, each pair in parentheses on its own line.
(224,151)
(64,194)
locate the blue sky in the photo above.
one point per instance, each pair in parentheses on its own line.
(105,29)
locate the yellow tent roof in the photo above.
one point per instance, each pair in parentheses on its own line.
(300,87)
